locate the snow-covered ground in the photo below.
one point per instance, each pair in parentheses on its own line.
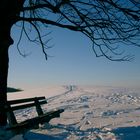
(91,113)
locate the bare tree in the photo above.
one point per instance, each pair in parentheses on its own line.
(105,22)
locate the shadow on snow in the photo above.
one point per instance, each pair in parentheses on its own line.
(128,133)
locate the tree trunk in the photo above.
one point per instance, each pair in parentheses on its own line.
(3,82)
(9,11)
(5,42)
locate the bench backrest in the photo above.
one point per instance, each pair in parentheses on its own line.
(13,105)
(25,103)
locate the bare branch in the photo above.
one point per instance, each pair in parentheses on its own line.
(104,22)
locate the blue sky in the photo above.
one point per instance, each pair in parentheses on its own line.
(72,62)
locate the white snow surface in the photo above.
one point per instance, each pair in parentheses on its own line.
(91,113)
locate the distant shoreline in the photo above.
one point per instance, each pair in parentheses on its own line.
(10,90)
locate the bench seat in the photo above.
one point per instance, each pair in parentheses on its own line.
(34,122)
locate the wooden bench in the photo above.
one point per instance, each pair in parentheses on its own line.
(21,127)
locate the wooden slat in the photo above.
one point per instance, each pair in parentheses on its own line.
(23,106)
(18,101)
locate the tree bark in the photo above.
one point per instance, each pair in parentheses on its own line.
(9,10)
(3,82)
(5,42)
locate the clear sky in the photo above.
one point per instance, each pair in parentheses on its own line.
(72,62)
